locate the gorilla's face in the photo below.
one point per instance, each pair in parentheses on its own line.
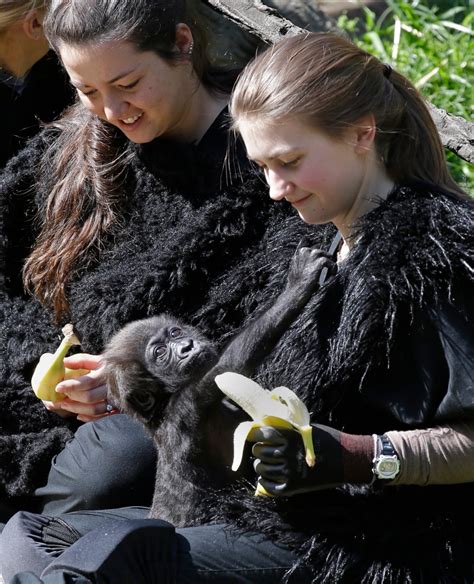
(149,360)
(178,354)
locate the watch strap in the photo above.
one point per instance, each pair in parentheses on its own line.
(385,446)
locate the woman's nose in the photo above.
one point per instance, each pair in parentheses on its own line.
(279,187)
(114,109)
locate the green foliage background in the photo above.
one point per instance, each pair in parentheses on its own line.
(432,43)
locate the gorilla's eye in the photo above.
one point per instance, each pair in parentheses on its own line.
(175,333)
(159,351)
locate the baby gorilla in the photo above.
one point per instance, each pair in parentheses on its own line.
(162,372)
(150,360)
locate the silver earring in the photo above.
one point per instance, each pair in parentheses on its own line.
(190,49)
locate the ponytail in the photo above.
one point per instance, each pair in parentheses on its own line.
(408,138)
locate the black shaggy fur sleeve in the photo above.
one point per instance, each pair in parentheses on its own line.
(211,265)
(29,434)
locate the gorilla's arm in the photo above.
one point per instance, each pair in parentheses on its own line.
(202,422)
(248,349)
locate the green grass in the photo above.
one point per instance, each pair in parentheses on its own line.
(434,47)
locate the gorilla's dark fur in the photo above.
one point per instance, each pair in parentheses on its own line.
(162,372)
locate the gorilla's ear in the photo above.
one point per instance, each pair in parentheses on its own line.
(135,393)
(144,402)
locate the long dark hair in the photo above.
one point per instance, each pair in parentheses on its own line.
(86,163)
(327,82)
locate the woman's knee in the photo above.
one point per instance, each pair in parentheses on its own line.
(109,463)
(143,550)
(25,545)
(119,456)
(10,543)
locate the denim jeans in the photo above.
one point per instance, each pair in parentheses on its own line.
(123,547)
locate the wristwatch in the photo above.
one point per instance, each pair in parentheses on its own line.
(386,464)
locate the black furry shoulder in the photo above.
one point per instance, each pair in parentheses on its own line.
(419,241)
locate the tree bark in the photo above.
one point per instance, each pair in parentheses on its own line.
(253,16)
(456,133)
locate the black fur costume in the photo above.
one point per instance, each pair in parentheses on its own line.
(387,344)
(186,246)
(367,354)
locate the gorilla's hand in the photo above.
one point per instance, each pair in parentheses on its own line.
(282,469)
(306,267)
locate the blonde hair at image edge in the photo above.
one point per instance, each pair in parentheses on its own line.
(13,10)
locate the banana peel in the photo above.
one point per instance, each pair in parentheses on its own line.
(50,369)
(280,408)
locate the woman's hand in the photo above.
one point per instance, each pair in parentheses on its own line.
(86,396)
(282,469)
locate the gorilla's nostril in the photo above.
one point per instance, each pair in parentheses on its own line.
(185,346)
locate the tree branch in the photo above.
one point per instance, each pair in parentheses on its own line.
(456,133)
(261,20)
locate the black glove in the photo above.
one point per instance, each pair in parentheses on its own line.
(282,469)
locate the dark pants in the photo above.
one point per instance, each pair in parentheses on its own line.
(121,547)
(108,464)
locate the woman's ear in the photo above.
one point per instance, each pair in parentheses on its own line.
(365,130)
(33,25)
(184,39)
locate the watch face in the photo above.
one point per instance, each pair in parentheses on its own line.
(387,467)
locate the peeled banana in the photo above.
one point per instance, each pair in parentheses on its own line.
(280,407)
(50,369)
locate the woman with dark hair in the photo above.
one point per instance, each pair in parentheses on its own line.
(124,208)
(382,356)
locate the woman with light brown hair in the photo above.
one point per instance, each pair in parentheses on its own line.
(33,86)
(388,346)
